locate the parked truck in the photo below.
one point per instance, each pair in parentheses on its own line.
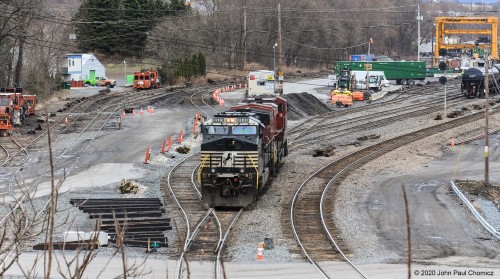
(376,82)
(100,81)
(261,83)
(403,72)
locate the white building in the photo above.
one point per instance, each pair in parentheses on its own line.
(83,67)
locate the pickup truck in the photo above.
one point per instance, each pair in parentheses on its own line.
(100,81)
(104,81)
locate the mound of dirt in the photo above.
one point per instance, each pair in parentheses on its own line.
(303,104)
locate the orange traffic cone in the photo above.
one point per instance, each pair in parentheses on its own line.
(452,142)
(221,103)
(152,109)
(66,120)
(123,114)
(148,155)
(260,256)
(141,112)
(180,137)
(133,112)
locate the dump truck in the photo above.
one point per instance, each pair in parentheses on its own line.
(403,72)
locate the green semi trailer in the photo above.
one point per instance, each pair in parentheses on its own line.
(403,72)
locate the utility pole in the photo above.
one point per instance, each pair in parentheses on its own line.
(418,32)
(279,37)
(280,69)
(368,69)
(444,99)
(486,116)
(244,36)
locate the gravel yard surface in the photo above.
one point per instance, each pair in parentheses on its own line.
(356,198)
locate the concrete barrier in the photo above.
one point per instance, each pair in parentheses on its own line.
(378,95)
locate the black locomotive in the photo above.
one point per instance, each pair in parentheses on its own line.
(241,149)
(473,81)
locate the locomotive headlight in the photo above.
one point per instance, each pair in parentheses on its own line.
(242,170)
(212,170)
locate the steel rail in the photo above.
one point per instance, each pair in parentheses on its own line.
(327,115)
(371,116)
(220,245)
(380,148)
(373,124)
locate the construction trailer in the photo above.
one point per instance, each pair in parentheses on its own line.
(261,83)
(447,26)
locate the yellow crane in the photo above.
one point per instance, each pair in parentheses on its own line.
(444,26)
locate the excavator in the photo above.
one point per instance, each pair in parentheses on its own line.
(342,95)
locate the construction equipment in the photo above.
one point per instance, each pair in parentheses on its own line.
(342,95)
(14,107)
(5,123)
(358,96)
(12,104)
(29,102)
(8,113)
(487,26)
(146,80)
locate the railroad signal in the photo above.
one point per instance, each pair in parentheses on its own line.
(443,80)
(443,66)
(442,52)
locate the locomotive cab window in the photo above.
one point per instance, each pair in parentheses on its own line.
(244,130)
(216,130)
(261,83)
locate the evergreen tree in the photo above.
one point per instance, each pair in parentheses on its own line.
(177,6)
(95,25)
(117,26)
(202,64)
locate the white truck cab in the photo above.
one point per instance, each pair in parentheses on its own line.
(377,80)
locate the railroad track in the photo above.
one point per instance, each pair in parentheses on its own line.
(311,217)
(108,106)
(408,94)
(203,232)
(366,122)
(12,149)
